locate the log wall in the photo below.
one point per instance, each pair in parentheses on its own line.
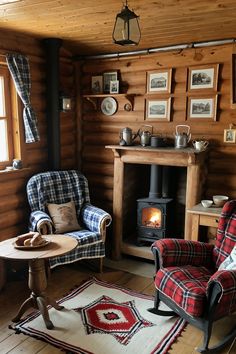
(99,130)
(13,200)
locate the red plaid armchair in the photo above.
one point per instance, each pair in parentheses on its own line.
(187,278)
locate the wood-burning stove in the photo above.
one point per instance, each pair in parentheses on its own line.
(154,218)
(155,213)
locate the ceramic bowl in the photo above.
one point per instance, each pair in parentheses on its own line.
(206,203)
(220,200)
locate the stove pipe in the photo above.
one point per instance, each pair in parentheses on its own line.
(159,177)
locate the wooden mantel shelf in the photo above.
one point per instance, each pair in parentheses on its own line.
(167,156)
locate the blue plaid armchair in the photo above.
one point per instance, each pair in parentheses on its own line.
(60,187)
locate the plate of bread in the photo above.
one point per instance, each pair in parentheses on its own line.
(30,240)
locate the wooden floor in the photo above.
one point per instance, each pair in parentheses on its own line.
(61,281)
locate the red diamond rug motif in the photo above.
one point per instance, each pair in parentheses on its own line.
(121,320)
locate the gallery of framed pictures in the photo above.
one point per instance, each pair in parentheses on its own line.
(203,77)
(158,109)
(202,108)
(159,81)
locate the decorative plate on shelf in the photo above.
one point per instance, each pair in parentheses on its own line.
(109,106)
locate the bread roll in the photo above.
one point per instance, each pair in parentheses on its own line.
(37,240)
(21,239)
(27,242)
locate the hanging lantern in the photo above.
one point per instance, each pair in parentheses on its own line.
(64,102)
(126,30)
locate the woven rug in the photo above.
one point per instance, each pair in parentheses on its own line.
(102,318)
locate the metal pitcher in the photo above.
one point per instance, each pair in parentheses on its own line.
(127,136)
(182,136)
(145,135)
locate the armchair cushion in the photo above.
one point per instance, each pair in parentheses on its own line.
(186,286)
(64,217)
(176,252)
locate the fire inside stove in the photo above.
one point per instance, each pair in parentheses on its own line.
(151,217)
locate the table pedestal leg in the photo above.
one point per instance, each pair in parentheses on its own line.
(38,298)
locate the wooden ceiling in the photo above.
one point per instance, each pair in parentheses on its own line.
(86,25)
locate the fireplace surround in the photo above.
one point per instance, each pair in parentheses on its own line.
(166,156)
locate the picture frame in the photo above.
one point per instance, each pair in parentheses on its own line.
(203,77)
(97,84)
(202,108)
(159,81)
(158,109)
(114,86)
(230,136)
(107,77)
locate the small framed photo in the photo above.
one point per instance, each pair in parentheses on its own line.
(114,86)
(158,109)
(202,108)
(107,78)
(97,84)
(230,136)
(203,77)
(159,81)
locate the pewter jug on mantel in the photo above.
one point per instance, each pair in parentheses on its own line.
(182,136)
(127,136)
(145,134)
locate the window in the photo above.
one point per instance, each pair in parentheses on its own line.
(9,137)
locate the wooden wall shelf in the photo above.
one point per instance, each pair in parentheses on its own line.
(94,99)
(168,156)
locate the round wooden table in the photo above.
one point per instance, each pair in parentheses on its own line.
(59,245)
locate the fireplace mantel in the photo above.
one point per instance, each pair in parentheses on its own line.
(166,156)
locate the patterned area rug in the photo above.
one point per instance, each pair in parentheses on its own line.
(102,318)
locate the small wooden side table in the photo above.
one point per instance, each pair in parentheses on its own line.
(201,216)
(59,245)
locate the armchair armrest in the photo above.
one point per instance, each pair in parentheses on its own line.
(41,222)
(95,219)
(177,252)
(226,281)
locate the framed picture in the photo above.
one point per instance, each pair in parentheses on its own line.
(114,86)
(230,136)
(203,77)
(158,109)
(97,84)
(107,78)
(202,108)
(159,81)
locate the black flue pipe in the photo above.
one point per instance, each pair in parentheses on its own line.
(159,175)
(52,47)
(155,190)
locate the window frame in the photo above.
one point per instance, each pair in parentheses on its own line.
(13,107)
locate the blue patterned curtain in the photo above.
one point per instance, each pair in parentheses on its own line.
(19,68)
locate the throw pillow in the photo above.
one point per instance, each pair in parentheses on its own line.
(64,217)
(229,262)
